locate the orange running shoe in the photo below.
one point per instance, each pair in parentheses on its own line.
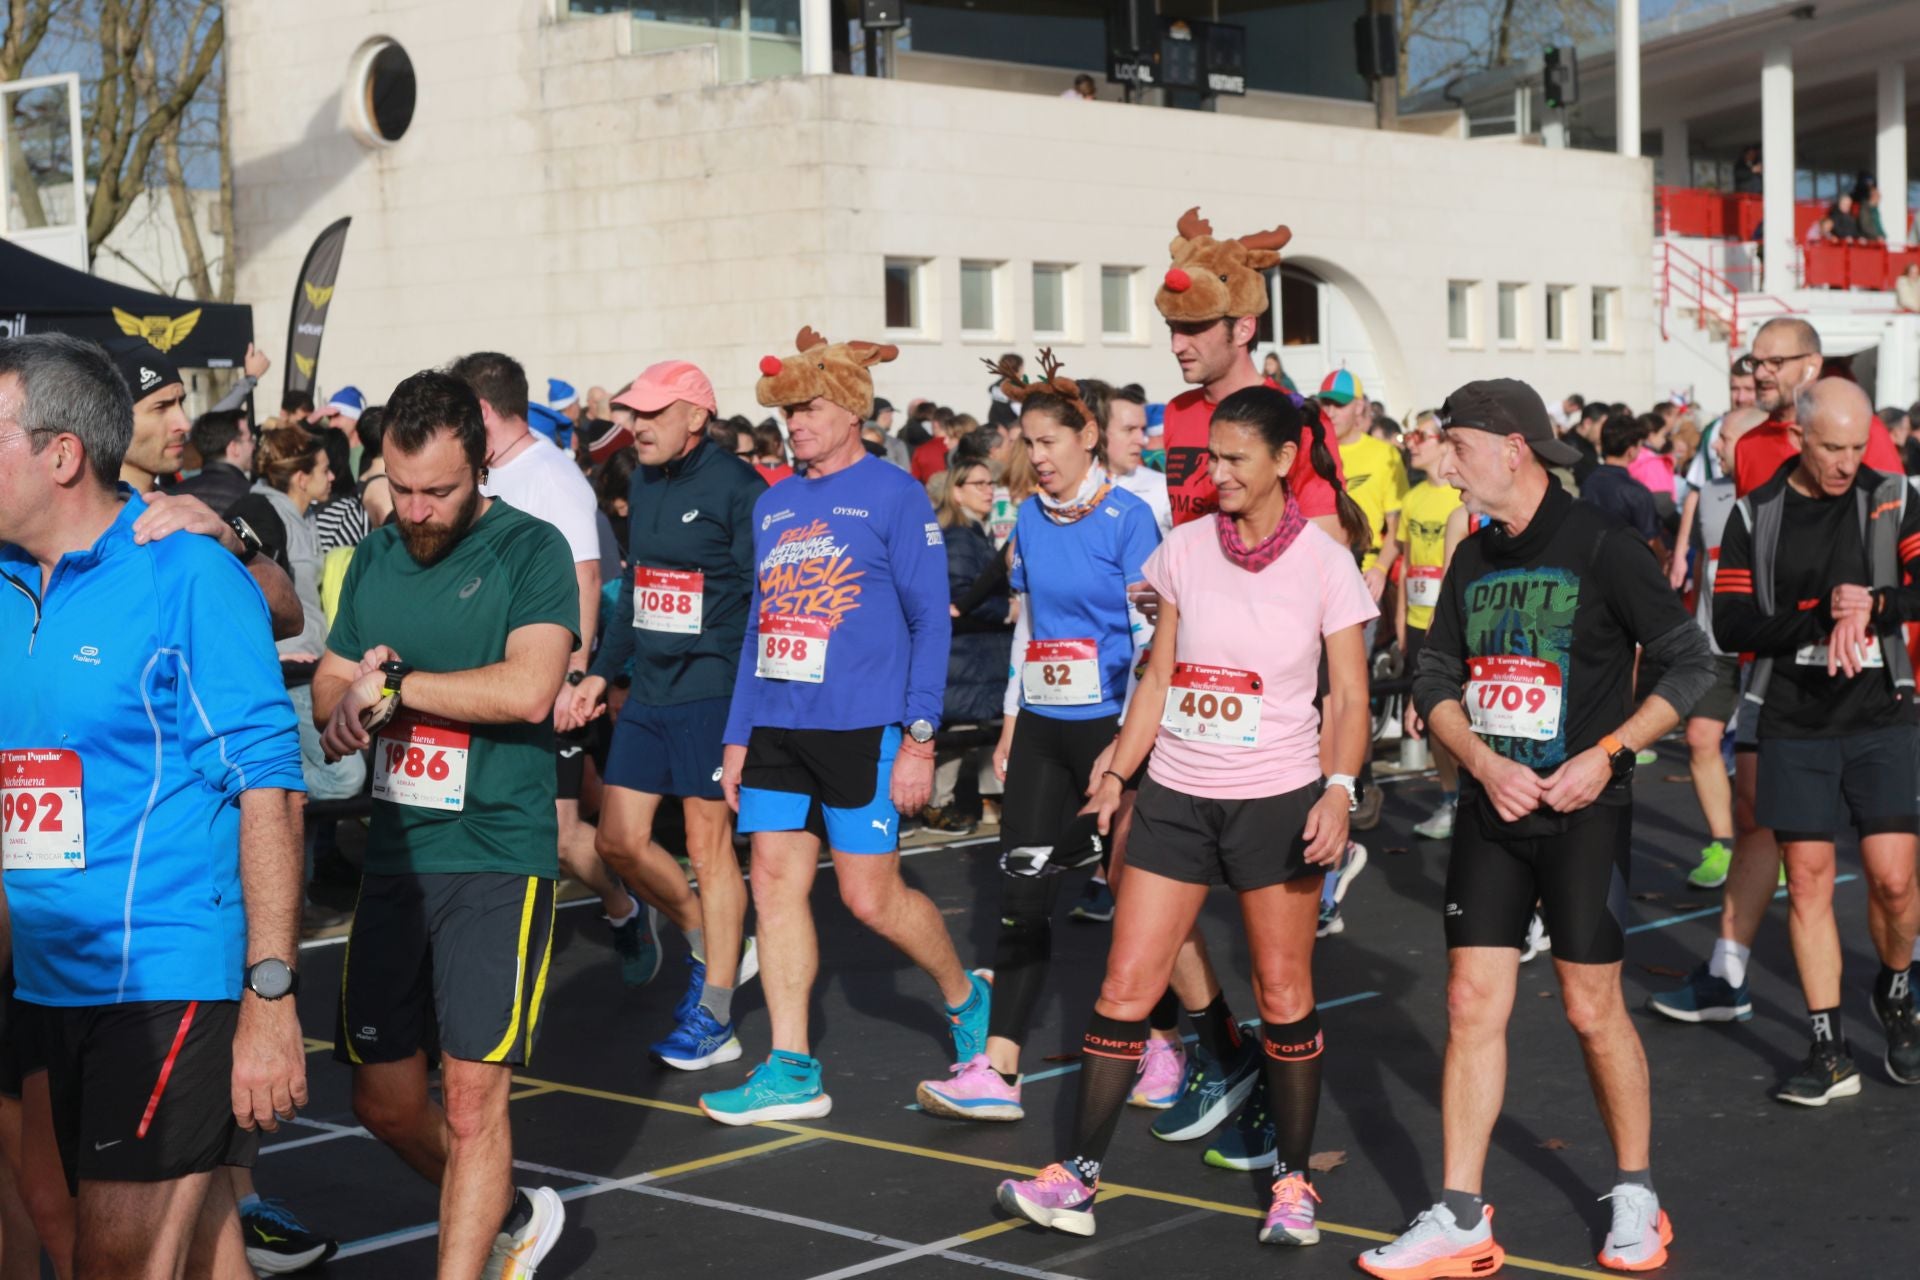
(1435,1246)
(1641,1231)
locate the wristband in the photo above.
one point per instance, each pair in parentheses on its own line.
(1117,778)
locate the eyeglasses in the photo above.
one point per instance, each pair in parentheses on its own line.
(976,484)
(746,453)
(1772,364)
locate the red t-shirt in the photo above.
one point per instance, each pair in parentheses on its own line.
(1760,454)
(1190,484)
(930,459)
(774,473)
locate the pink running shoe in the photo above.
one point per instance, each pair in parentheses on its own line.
(1290,1220)
(976,1092)
(1056,1199)
(1163,1073)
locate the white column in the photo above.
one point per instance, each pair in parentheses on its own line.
(1675,170)
(1776,159)
(816,37)
(1626,77)
(1890,145)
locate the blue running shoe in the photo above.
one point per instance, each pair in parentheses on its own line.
(970,1019)
(698,1042)
(278,1243)
(690,998)
(784,1087)
(1705,998)
(638,943)
(1213,1092)
(1250,1143)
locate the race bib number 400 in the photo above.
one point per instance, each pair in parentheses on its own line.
(792,649)
(1213,704)
(421,760)
(668,600)
(1514,697)
(43,825)
(1061,673)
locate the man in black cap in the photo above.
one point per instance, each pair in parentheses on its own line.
(159,442)
(1527,679)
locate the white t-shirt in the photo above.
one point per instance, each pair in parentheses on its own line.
(543,482)
(1150,487)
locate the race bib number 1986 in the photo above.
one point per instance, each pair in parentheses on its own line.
(1514,697)
(421,760)
(43,825)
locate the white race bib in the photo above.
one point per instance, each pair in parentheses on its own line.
(792,648)
(1514,697)
(1213,704)
(1423,585)
(668,600)
(1061,673)
(421,760)
(43,825)
(1815,655)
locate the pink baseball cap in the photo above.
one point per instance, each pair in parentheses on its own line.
(661,384)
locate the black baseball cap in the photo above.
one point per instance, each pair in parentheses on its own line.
(881,405)
(1508,407)
(145,368)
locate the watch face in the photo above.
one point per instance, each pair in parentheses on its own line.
(270,979)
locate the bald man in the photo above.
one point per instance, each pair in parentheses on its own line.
(1810,583)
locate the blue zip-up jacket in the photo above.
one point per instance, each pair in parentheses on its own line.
(861,552)
(156,665)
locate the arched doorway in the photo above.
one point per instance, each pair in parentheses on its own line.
(1325,319)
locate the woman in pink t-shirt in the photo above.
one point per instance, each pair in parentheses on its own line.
(1250,599)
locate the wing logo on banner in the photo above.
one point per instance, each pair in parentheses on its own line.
(304,364)
(316,296)
(164,332)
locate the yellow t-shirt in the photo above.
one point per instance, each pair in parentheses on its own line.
(1423,529)
(1377,480)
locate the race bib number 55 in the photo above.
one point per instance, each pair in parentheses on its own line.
(792,649)
(1514,697)
(1213,704)
(43,825)
(421,760)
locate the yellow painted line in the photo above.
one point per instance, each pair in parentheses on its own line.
(1109,1191)
(728,1157)
(531,1091)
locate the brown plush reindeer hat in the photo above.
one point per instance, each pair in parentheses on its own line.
(1211,279)
(1051,380)
(833,371)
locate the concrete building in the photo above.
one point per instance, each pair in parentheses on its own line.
(595,192)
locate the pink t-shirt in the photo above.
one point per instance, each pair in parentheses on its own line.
(1654,470)
(1237,628)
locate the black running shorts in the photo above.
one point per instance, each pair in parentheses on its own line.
(142,1092)
(1723,695)
(455,962)
(1809,788)
(1243,844)
(1574,865)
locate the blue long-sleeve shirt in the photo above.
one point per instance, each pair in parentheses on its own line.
(151,670)
(860,552)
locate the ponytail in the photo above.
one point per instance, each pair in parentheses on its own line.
(1353,521)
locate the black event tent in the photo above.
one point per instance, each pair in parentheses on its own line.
(38,294)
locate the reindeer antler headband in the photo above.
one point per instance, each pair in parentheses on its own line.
(1050,380)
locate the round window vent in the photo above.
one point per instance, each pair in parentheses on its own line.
(381,92)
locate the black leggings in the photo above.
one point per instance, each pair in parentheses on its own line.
(1047,774)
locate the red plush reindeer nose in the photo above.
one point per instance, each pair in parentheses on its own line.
(1178,280)
(770,366)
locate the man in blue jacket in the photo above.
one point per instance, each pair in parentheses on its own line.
(151,867)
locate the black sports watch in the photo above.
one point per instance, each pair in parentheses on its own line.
(395,672)
(575,678)
(1622,757)
(250,544)
(272,978)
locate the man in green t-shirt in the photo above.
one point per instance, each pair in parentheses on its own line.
(449,648)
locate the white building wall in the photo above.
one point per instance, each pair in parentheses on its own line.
(591,210)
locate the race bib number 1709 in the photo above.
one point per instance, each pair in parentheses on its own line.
(1514,697)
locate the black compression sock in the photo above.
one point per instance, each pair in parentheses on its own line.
(1466,1207)
(1109,1061)
(1166,1014)
(1826,1025)
(1219,1033)
(1292,1063)
(1634,1178)
(1892,985)
(518,1216)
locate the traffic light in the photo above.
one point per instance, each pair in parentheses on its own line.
(1561,77)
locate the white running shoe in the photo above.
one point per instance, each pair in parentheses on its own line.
(1435,1245)
(516,1255)
(1438,824)
(1641,1231)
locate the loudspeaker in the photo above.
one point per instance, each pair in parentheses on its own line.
(880,15)
(1374,50)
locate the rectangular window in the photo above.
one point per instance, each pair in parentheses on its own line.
(1559,311)
(1116,301)
(903,293)
(1463,306)
(1513,314)
(1606,302)
(1049,299)
(979,305)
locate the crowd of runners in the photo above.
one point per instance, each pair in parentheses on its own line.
(524,616)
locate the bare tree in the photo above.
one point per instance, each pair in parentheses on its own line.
(1442,40)
(26,28)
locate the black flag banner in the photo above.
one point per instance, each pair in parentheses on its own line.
(309,321)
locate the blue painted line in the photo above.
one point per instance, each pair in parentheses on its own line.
(1714,911)
(1072,1067)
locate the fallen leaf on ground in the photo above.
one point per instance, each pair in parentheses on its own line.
(1664,971)
(1326,1161)
(1555,1144)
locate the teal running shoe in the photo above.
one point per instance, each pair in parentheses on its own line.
(784,1087)
(1213,1091)
(1250,1143)
(970,1019)
(637,942)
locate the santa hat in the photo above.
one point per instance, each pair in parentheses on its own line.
(561,394)
(348,403)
